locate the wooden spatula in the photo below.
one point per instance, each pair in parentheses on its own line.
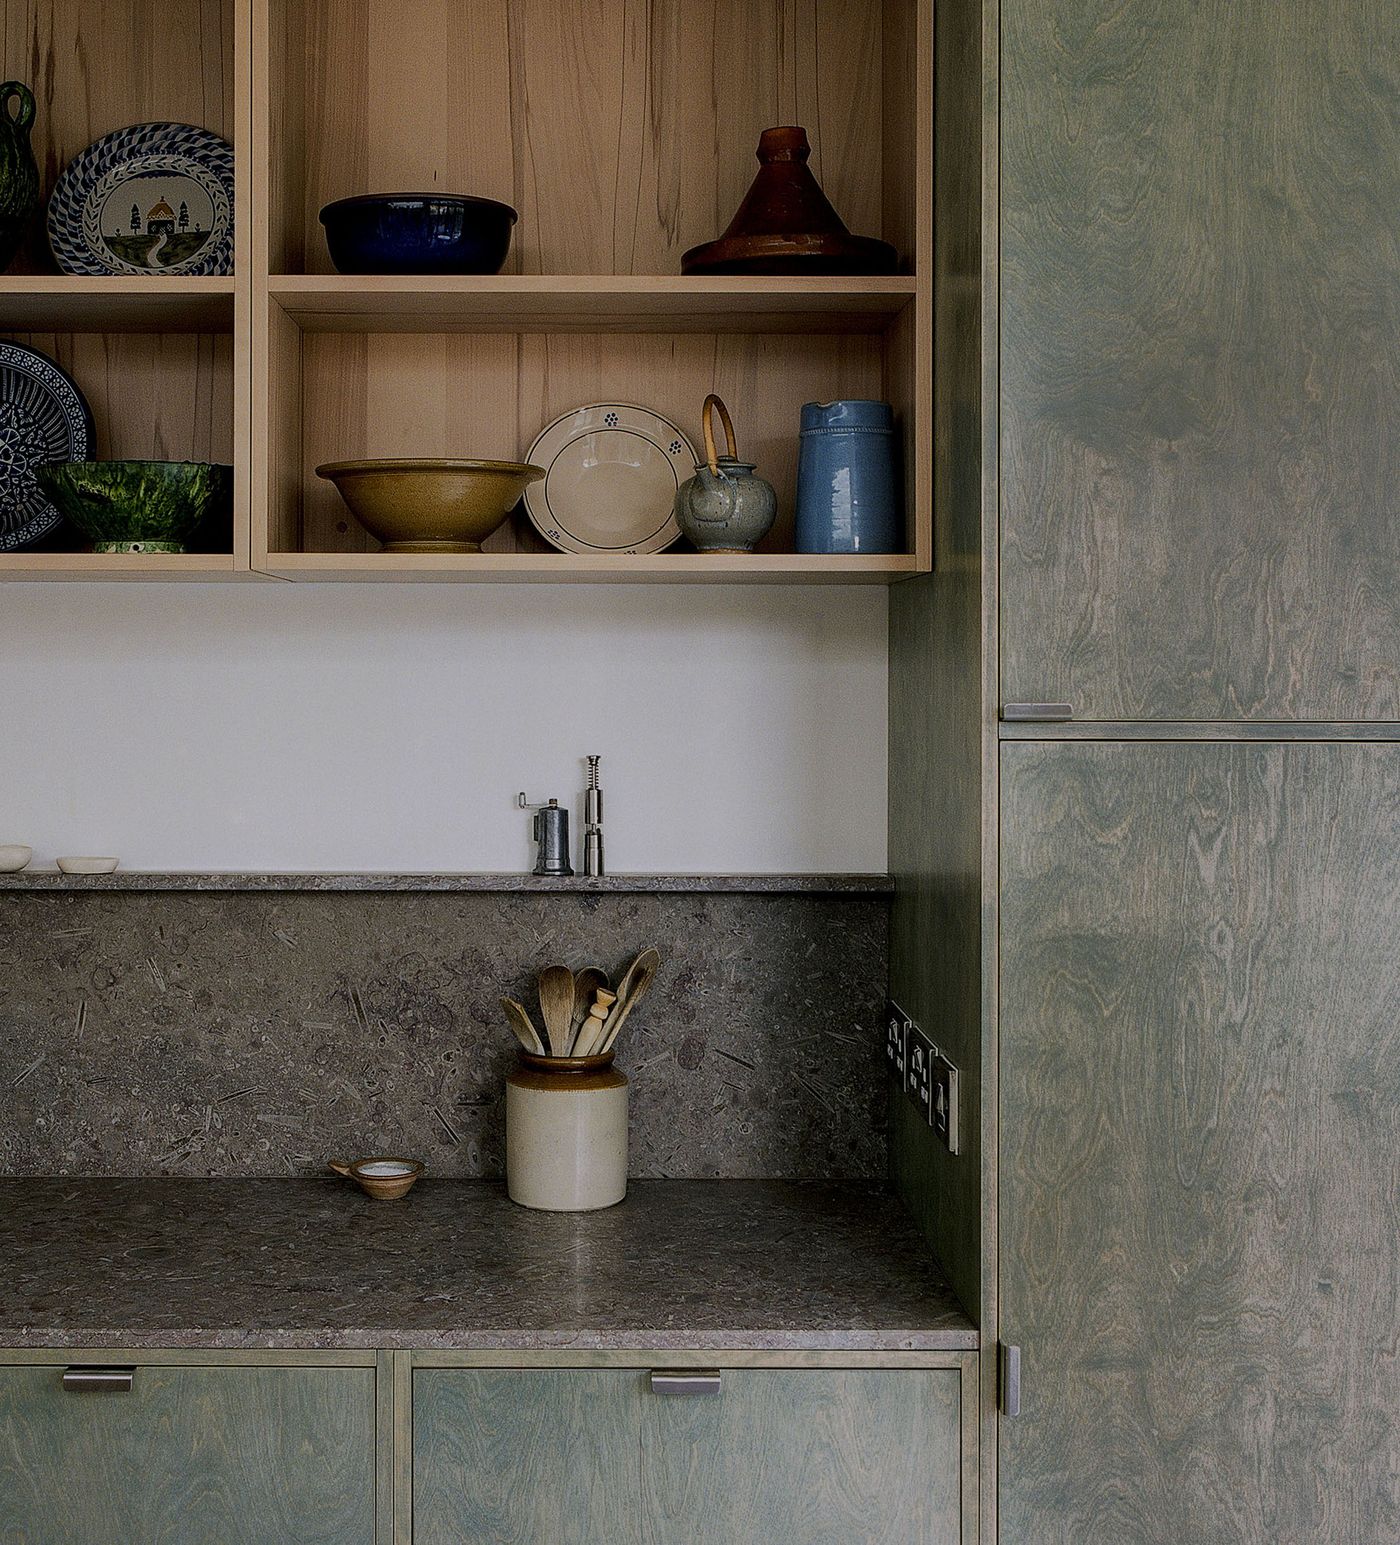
(633,988)
(523,1026)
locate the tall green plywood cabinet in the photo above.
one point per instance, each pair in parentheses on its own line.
(1145,764)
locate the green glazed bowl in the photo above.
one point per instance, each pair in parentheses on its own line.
(140,506)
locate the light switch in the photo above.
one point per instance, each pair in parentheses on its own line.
(943,1104)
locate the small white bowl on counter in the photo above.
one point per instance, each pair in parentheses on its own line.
(87,865)
(14,856)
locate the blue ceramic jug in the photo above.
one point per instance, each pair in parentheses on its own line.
(847,480)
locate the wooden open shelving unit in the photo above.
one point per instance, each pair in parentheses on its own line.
(622,131)
(165,363)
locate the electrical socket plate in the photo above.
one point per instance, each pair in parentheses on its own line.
(919,1053)
(926,1075)
(895,1021)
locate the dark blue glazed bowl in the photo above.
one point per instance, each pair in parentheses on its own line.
(417,233)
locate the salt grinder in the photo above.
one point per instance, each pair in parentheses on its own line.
(551,833)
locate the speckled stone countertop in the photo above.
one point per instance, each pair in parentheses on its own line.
(612,884)
(692,1264)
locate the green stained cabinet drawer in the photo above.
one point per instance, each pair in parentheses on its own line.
(519,1456)
(808,1457)
(190,1456)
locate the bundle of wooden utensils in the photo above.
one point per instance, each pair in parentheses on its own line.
(582,1011)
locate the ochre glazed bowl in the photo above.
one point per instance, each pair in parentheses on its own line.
(430,506)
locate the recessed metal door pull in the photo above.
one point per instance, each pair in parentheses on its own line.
(684,1381)
(98,1381)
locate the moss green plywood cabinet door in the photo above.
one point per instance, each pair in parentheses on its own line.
(1200,1116)
(583,1456)
(519,1457)
(1200,378)
(805,1457)
(191,1456)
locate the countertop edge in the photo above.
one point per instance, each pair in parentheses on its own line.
(45,880)
(37,1339)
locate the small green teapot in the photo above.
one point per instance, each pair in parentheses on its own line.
(725,507)
(19,176)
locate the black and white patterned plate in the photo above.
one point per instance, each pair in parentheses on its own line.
(156,198)
(43,417)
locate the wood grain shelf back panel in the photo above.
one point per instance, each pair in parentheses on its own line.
(97,67)
(488,395)
(162,396)
(623,131)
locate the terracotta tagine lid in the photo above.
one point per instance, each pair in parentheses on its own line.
(786,224)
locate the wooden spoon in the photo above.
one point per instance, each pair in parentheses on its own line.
(557,1007)
(523,1026)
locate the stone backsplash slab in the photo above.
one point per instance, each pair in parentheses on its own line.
(244,1034)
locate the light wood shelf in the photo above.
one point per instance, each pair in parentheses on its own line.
(629,303)
(120,566)
(136,303)
(571,568)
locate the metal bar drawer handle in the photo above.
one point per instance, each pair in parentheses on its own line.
(92,1381)
(684,1381)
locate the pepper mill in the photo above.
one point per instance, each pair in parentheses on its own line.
(551,832)
(593,821)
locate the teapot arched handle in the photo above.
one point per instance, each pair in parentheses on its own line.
(707,418)
(24,119)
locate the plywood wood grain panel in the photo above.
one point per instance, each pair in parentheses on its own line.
(192,1456)
(517,1456)
(94,68)
(488,395)
(936,922)
(162,396)
(1201,293)
(1200,1157)
(623,131)
(937,790)
(805,1457)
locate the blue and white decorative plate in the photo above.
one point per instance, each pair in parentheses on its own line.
(156,198)
(611,475)
(43,417)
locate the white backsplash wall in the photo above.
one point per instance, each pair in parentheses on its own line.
(364,727)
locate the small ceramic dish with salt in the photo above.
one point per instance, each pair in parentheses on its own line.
(383,1176)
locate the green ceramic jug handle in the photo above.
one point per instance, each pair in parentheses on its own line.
(25,117)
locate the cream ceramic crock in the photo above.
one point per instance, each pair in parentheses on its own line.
(566,1133)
